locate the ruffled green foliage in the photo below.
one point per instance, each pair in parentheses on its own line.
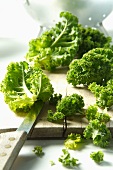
(97,156)
(93,113)
(55,98)
(67,160)
(38,150)
(66,106)
(95,66)
(71,105)
(72,141)
(103,94)
(92,38)
(23,85)
(55,116)
(98,132)
(57,46)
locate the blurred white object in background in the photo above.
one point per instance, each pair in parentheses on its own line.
(22,18)
(89,12)
(108,24)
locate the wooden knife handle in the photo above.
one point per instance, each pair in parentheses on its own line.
(10,145)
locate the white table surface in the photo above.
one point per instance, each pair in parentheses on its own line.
(52,149)
(16,29)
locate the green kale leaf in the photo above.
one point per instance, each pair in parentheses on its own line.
(24,85)
(95,66)
(57,46)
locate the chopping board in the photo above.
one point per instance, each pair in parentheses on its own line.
(13,50)
(74,124)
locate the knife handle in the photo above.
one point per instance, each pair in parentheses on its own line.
(10,145)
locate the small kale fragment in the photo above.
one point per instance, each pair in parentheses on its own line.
(38,150)
(55,98)
(93,113)
(98,132)
(71,105)
(55,116)
(97,156)
(72,141)
(103,94)
(67,160)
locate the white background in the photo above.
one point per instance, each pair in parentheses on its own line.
(15,22)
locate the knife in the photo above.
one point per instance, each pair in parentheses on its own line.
(12,142)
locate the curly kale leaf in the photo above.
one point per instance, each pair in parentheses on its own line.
(70,105)
(92,38)
(67,106)
(23,85)
(55,116)
(98,132)
(38,150)
(72,141)
(103,94)
(97,156)
(95,66)
(55,98)
(93,113)
(57,46)
(67,160)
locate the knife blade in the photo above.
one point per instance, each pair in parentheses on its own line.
(12,142)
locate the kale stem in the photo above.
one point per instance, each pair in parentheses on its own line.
(59,35)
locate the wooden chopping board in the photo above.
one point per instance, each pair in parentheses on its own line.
(75,124)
